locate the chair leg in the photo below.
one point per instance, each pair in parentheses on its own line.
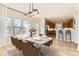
(70,38)
(65,37)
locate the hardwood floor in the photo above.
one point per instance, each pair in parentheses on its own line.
(58,48)
(66,48)
(9,50)
(64,44)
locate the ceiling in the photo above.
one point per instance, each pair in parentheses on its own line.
(48,10)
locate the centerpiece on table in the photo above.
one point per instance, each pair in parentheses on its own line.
(32,30)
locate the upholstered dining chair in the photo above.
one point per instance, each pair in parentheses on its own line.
(28,50)
(19,44)
(13,40)
(49,43)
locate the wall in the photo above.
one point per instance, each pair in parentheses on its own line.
(47,9)
(76,16)
(23,7)
(55,10)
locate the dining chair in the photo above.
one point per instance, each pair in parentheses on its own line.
(49,43)
(32,44)
(19,44)
(13,40)
(28,50)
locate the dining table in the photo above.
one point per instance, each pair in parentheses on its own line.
(35,39)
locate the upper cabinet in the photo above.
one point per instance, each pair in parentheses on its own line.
(51,24)
(69,23)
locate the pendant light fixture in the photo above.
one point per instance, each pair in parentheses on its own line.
(32,11)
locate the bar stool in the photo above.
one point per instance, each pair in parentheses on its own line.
(68,35)
(60,34)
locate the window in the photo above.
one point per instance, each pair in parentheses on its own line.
(7,26)
(26,27)
(17,26)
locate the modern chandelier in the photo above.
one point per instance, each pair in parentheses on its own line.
(33,12)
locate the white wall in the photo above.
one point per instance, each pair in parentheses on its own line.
(55,10)
(23,7)
(77,25)
(47,9)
